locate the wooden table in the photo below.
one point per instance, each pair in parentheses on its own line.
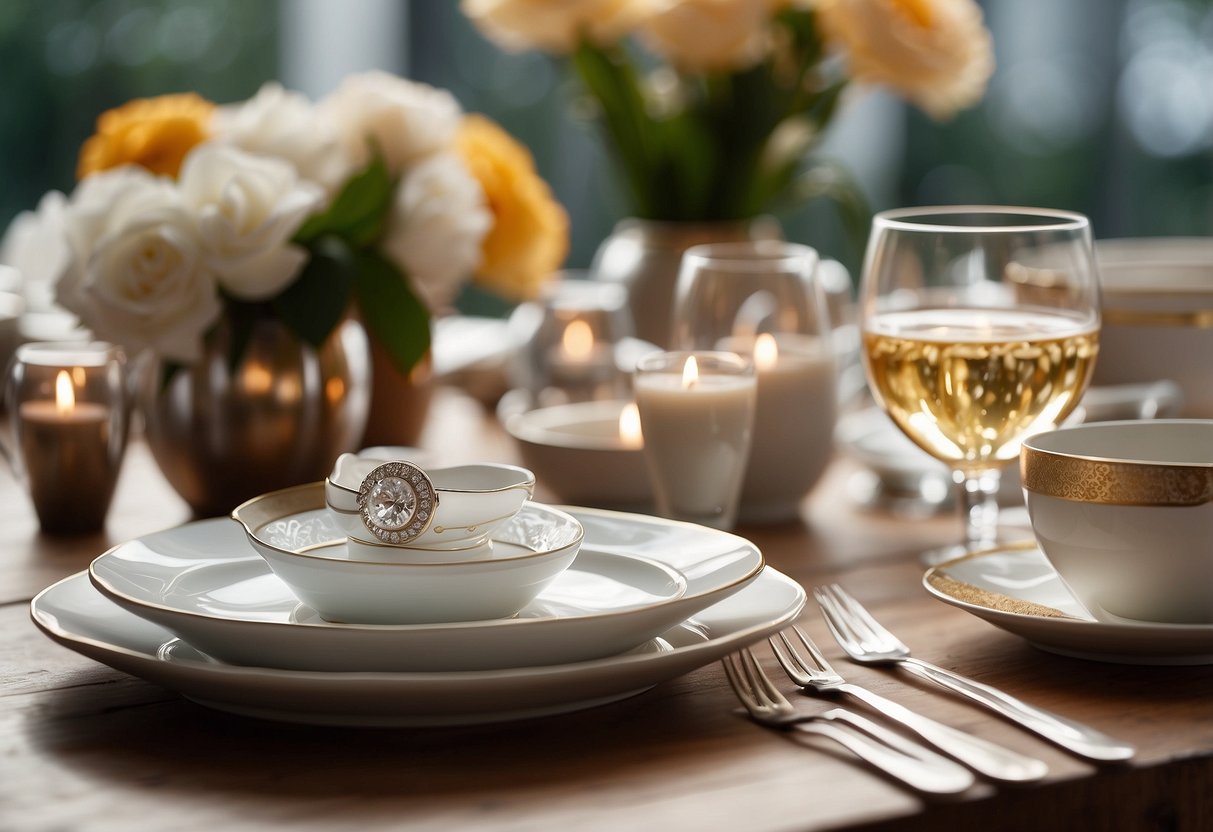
(84,747)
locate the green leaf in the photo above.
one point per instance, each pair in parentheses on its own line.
(359,211)
(313,305)
(393,314)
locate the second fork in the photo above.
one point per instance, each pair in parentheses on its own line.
(984,757)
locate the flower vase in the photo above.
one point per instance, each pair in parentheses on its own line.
(644,255)
(222,434)
(400,401)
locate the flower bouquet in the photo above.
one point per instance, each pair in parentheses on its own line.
(197,229)
(712,106)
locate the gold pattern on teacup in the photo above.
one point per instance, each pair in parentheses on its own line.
(1114,483)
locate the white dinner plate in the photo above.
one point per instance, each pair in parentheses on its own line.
(75,614)
(206,584)
(1015,588)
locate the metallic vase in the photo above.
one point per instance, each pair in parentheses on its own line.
(222,435)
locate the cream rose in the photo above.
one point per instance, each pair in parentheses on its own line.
(278,122)
(936,53)
(247,208)
(405,120)
(435,228)
(140,279)
(709,35)
(554,25)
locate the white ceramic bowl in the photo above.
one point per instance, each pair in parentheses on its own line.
(529,551)
(577,452)
(471,502)
(1124,512)
(1158,315)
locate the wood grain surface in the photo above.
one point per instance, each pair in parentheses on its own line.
(84,747)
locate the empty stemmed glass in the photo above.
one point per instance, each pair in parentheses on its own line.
(980,328)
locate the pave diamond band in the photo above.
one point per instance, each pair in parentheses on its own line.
(397,502)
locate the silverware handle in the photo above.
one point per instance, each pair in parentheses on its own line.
(894,755)
(987,758)
(1073,736)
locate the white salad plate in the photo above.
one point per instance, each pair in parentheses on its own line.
(75,614)
(1016,589)
(634,578)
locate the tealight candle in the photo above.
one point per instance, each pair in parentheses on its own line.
(70,428)
(696,414)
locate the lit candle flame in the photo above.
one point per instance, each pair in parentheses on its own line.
(65,396)
(578,339)
(766,352)
(629,426)
(690,373)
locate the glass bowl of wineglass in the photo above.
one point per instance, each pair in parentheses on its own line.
(980,328)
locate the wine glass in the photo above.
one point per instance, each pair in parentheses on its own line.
(980,328)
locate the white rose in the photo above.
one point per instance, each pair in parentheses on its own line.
(435,228)
(554,25)
(36,245)
(404,119)
(139,279)
(285,124)
(247,208)
(710,35)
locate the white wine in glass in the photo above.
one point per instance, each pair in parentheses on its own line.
(980,328)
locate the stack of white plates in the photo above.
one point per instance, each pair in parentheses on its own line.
(196,610)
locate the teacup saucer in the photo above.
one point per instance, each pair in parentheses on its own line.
(1016,589)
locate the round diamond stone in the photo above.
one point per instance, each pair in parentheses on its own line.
(391,503)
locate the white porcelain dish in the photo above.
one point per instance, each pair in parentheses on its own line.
(471,501)
(1017,590)
(312,558)
(74,614)
(1158,315)
(205,583)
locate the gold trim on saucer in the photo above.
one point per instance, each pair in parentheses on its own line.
(1113,482)
(977,596)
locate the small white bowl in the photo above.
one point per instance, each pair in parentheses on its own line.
(1124,512)
(470,502)
(528,553)
(579,453)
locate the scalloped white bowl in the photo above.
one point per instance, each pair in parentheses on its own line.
(528,552)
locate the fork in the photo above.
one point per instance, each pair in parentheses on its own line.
(866,641)
(896,756)
(984,757)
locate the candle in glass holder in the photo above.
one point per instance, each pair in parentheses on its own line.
(696,414)
(70,444)
(794,421)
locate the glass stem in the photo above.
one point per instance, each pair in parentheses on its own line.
(979,506)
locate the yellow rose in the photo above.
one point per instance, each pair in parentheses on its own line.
(155,133)
(936,53)
(530,232)
(554,25)
(710,35)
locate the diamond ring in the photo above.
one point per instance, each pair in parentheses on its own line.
(397,502)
